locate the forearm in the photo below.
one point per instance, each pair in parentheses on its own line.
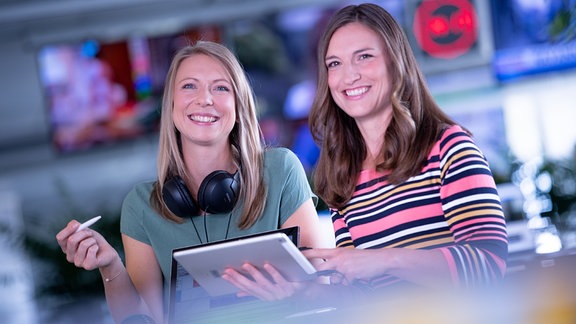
(122,297)
(457,266)
(422,267)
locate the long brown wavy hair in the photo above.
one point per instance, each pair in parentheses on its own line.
(416,123)
(246,137)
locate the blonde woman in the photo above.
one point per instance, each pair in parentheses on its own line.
(216,180)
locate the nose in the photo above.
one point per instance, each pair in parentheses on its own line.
(204,98)
(352,74)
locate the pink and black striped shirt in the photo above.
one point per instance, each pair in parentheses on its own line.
(452,205)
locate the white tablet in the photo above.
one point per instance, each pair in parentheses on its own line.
(206,263)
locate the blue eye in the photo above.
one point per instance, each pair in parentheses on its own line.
(222,88)
(188,86)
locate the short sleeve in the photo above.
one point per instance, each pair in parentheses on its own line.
(288,184)
(131,219)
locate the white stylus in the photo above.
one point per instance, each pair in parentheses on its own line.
(87,223)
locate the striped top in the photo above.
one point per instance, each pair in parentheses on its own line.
(452,205)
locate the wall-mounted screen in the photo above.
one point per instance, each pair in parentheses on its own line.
(533,37)
(100,92)
(449,35)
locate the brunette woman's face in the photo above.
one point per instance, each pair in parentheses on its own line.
(204,101)
(358,75)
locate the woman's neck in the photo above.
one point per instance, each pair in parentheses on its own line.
(373,130)
(374,141)
(201,161)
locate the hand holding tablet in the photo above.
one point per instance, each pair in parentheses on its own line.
(206,263)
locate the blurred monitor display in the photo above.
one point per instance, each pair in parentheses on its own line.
(533,37)
(99,93)
(449,35)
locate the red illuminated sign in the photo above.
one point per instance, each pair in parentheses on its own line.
(445,28)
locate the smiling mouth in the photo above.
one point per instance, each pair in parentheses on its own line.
(356,92)
(202,119)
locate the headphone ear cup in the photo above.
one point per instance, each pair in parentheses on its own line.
(219,192)
(177,198)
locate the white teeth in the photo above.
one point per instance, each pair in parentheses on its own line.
(356,92)
(202,119)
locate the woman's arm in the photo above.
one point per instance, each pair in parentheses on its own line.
(90,250)
(423,267)
(473,212)
(145,279)
(306,218)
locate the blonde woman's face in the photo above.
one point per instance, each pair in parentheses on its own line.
(358,76)
(204,101)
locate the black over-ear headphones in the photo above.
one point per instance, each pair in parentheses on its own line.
(218,194)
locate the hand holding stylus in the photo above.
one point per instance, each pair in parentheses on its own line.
(88,223)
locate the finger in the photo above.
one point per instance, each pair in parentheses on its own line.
(62,236)
(318,253)
(251,290)
(326,266)
(91,262)
(84,245)
(335,279)
(237,279)
(277,277)
(256,274)
(283,288)
(264,283)
(82,251)
(259,286)
(241,294)
(279,287)
(73,242)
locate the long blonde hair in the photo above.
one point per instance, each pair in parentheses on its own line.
(245,139)
(416,123)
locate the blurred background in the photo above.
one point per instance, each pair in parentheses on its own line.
(81,86)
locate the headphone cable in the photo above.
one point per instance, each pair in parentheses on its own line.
(206,227)
(195,229)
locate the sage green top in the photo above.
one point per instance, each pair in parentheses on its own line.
(288,189)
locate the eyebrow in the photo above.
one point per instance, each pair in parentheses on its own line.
(197,80)
(222,80)
(354,53)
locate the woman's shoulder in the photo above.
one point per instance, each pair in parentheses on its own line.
(453,135)
(279,162)
(141,191)
(455,138)
(454,130)
(276,155)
